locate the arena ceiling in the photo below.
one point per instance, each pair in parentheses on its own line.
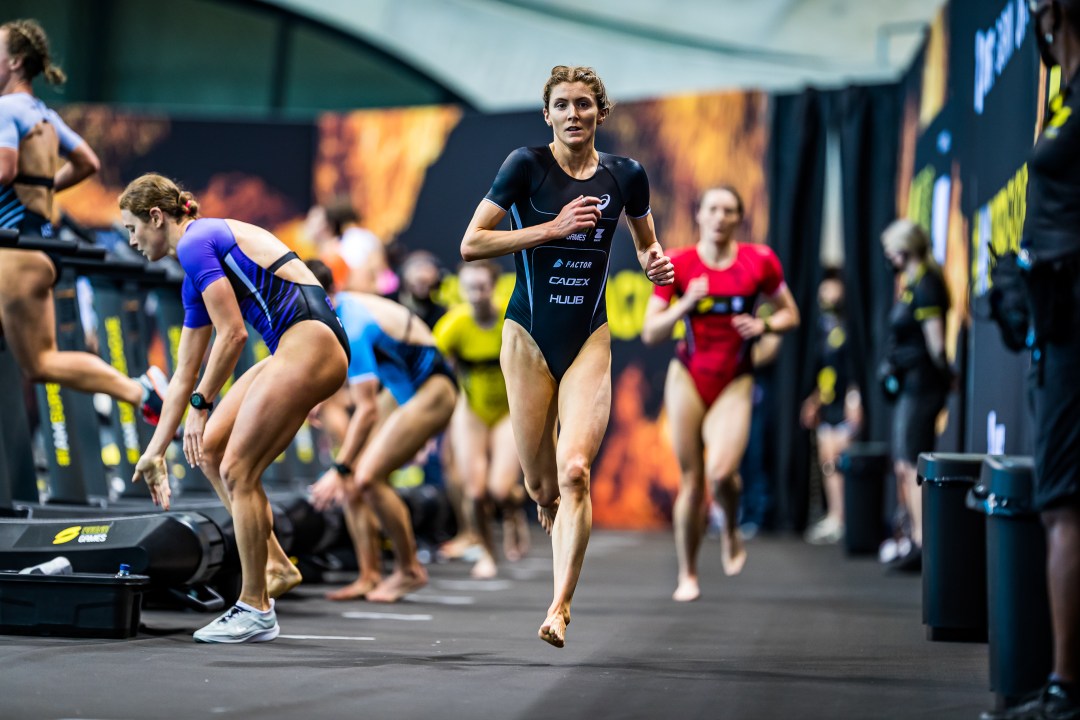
(496,53)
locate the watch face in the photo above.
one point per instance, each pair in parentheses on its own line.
(198,401)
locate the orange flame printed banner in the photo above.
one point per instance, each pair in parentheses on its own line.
(387,162)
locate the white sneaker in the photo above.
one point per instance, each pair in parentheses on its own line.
(826,531)
(239,625)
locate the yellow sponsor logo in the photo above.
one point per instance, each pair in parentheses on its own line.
(67,535)
(58,424)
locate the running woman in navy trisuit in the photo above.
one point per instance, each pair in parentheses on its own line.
(40,156)
(564,201)
(237,273)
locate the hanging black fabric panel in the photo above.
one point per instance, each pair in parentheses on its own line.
(868,120)
(796,189)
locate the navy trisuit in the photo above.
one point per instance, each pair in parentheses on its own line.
(559,294)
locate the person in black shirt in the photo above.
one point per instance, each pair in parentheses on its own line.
(834,408)
(915,369)
(1051,250)
(420,278)
(564,200)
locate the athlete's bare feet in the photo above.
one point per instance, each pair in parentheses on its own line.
(553,631)
(516,536)
(456,547)
(733,552)
(485,568)
(355,590)
(687,591)
(398,585)
(281,581)
(546,515)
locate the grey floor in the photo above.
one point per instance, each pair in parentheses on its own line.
(803,633)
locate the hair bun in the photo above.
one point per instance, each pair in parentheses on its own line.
(188,205)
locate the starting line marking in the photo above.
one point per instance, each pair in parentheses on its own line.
(360,615)
(467,585)
(323,637)
(441,599)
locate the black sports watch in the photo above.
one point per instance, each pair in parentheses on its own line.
(201,403)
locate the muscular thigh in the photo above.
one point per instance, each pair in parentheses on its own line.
(505,468)
(408,428)
(531,392)
(222,419)
(585,399)
(27,315)
(308,367)
(727,427)
(469,436)
(685,415)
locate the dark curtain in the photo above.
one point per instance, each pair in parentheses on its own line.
(796,188)
(868,120)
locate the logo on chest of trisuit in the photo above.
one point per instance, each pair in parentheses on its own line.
(573,264)
(598,235)
(568,281)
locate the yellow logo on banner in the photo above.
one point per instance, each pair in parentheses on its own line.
(67,535)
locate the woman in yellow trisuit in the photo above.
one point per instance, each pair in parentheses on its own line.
(483,451)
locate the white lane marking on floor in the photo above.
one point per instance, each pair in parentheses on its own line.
(323,637)
(481,585)
(441,599)
(361,615)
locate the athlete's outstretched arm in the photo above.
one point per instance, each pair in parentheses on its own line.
(9,165)
(231,334)
(654,262)
(482,241)
(660,317)
(365,413)
(189,356)
(784,319)
(330,487)
(82,162)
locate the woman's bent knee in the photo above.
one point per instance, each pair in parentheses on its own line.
(574,476)
(238,476)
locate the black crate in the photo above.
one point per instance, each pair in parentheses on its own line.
(77,605)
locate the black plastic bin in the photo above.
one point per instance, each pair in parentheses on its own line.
(1019,611)
(76,605)
(865,466)
(954,548)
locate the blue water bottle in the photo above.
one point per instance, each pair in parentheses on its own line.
(124,571)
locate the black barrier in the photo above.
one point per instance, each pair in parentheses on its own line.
(1019,611)
(18,476)
(954,549)
(173,549)
(865,467)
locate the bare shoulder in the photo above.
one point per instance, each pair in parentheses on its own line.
(247,234)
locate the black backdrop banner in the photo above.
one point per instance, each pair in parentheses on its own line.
(796,190)
(971,107)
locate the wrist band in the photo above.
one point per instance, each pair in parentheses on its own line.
(768,328)
(342,469)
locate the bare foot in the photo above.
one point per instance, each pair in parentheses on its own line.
(687,591)
(546,515)
(485,568)
(456,547)
(553,631)
(279,582)
(733,552)
(398,585)
(355,590)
